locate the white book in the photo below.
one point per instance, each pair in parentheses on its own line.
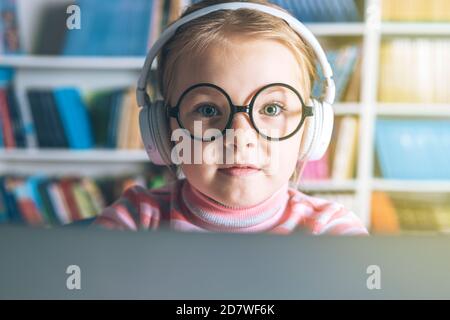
(57,199)
(344,157)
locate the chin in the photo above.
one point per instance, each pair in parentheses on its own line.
(243,196)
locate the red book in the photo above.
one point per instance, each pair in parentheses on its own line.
(66,187)
(30,213)
(8,134)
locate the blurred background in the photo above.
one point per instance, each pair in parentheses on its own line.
(69,135)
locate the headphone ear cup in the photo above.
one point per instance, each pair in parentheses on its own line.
(318,135)
(308,134)
(154,129)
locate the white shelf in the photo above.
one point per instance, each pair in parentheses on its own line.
(328,185)
(61,155)
(347,108)
(406,28)
(413,109)
(63,62)
(336,29)
(431,186)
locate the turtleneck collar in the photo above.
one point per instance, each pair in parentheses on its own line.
(219,217)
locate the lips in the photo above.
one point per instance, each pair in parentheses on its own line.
(240,170)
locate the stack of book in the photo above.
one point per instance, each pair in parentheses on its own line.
(346,64)
(339,161)
(41,200)
(115,115)
(413,149)
(416,10)
(12,130)
(406,212)
(63,118)
(415,70)
(324,10)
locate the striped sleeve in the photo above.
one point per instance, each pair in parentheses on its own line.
(325,217)
(136,209)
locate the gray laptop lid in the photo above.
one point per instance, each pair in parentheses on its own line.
(175,265)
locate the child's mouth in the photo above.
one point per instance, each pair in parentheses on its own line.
(240,170)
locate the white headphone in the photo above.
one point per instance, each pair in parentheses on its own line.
(154,124)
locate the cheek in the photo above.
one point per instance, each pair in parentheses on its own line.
(284,155)
(198,174)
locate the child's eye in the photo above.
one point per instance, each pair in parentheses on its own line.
(272,109)
(208,110)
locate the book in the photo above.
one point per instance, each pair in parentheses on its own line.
(414,70)
(119,29)
(9,28)
(16,118)
(5,118)
(30,213)
(45,201)
(322,11)
(66,184)
(55,126)
(51,30)
(345,151)
(384,217)
(345,63)
(413,148)
(415,10)
(75,118)
(39,123)
(58,203)
(7,186)
(317,170)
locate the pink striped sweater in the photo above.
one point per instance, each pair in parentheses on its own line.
(181,207)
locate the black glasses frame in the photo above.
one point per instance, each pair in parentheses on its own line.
(174,112)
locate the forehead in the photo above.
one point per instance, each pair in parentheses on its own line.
(240,67)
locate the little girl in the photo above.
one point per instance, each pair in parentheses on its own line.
(229,60)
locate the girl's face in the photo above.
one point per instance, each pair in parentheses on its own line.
(241,68)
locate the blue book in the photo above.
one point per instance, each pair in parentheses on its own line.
(6,75)
(351,11)
(113,125)
(77,40)
(7,194)
(337,11)
(74,117)
(413,149)
(16,117)
(346,70)
(117,29)
(3,207)
(33,183)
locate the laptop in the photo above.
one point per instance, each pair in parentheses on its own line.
(89,263)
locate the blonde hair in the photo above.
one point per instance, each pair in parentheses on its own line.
(215,28)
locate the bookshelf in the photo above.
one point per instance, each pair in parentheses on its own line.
(92,72)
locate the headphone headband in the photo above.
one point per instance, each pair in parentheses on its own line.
(293,23)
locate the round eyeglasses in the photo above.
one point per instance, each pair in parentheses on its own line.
(276,111)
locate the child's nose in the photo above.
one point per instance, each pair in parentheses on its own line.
(243,131)
(241,120)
